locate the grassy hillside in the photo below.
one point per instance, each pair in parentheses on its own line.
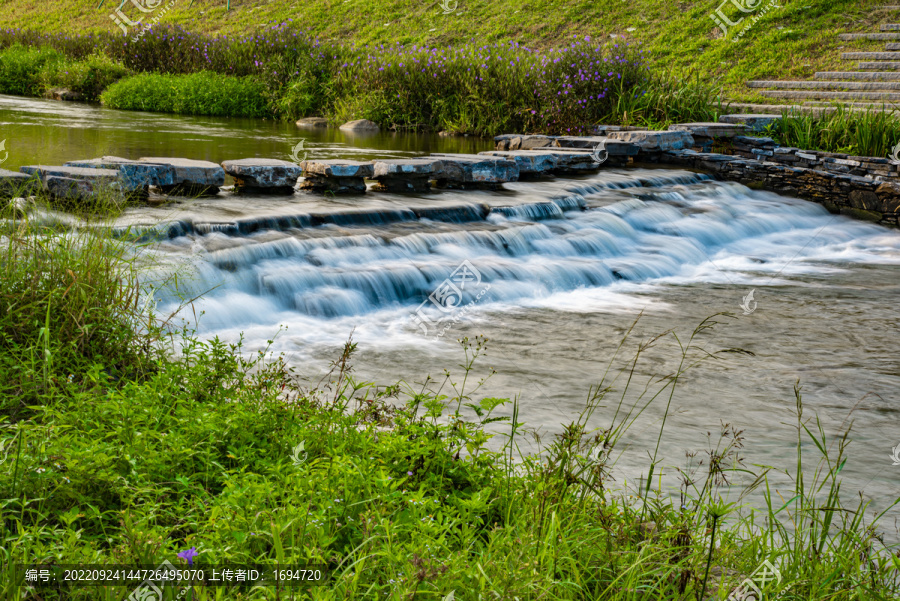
(792,40)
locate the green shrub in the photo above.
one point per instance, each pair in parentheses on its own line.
(21,69)
(203,93)
(89,77)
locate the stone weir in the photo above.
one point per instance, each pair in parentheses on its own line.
(861,187)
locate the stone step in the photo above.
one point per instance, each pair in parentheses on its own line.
(874,56)
(780,108)
(531,162)
(891,27)
(826,85)
(811,95)
(847,37)
(337,176)
(406,175)
(892,46)
(268,175)
(589,143)
(16,183)
(191,177)
(858,75)
(475,171)
(136,175)
(860,106)
(756,122)
(880,66)
(711,130)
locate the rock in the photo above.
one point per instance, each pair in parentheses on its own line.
(14,183)
(604,130)
(756,123)
(406,175)
(63,94)
(270,175)
(338,176)
(191,177)
(571,160)
(312,122)
(522,142)
(136,175)
(710,130)
(476,171)
(71,188)
(612,147)
(866,200)
(360,125)
(532,163)
(655,141)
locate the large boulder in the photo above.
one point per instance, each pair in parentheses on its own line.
(266,175)
(361,125)
(191,177)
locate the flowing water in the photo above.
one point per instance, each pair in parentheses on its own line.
(553,273)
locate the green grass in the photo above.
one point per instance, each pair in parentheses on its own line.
(790,42)
(30,71)
(202,93)
(869,133)
(403,492)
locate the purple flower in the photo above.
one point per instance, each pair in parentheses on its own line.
(189,555)
(409,473)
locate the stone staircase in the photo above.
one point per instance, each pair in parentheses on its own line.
(874,83)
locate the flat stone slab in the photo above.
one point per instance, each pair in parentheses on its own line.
(71,188)
(312,122)
(655,140)
(612,146)
(604,130)
(424,167)
(135,174)
(711,130)
(195,174)
(18,183)
(85,173)
(522,141)
(755,122)
(531,162)
(475,170)
(338,168)
(263,173)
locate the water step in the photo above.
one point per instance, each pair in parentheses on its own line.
(891,27)
(804,95)
(875,56)
(847,37)
(880,66)
(826,85)
(859,75)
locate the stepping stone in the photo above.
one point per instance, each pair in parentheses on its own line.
(613,147)
(710,130)
(755,122)
(532,163)
(360,125)
(71,188)
(16,183)
(105,176)
(463,171)
(263,175)
(522,142)
(338,176)
(603,130)
(406,175)
(312,122)
(136,175)
(571,160)
(655,140)
(191,177)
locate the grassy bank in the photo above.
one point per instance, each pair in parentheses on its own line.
(114,452)
(792,40)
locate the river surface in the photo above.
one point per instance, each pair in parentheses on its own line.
(554,277)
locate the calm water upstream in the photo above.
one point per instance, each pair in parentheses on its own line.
(553,280)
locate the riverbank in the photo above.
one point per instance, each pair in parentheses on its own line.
(114,453)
